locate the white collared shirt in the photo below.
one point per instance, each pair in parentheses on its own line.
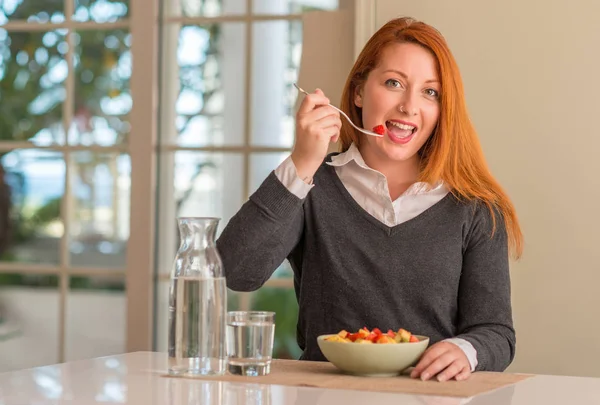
(369,189)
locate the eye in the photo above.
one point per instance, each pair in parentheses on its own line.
(393,83)
(432,93)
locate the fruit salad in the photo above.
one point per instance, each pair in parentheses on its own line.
(367,336)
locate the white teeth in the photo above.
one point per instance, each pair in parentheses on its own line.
(402,126)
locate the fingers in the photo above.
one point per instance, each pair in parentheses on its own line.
(325,127)
(318,114)
(311,101)
(444,360)
(428,357)
(331,132)
(330,121)
(320,122)
(450,372)
(438,364)
(315,108)
(317,124)
(464,374)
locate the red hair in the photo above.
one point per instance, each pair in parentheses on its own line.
(453,153)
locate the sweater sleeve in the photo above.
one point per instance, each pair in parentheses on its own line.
(484,301)
(258,238)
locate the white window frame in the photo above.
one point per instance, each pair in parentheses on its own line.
(136,273)
(142,249)
(166,214)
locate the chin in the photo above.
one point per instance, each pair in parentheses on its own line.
(399,155)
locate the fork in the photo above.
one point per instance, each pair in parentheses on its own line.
(364,131)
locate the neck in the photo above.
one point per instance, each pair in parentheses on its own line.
(400,175)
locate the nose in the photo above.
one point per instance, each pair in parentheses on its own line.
(407,105)
(407,112)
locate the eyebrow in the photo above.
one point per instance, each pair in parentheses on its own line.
(406,77)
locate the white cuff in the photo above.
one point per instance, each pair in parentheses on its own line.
(286,173)
(467,348)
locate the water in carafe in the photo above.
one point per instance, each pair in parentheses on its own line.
(197,302)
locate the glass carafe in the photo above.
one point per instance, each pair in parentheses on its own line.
(197,302)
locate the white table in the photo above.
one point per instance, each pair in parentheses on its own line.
(138,378)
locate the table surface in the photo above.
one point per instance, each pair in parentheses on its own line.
(138,378)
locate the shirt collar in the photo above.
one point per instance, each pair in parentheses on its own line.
(353,155)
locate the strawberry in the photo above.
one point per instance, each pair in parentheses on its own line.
(379,129)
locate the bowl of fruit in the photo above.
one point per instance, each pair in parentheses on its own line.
(373,353)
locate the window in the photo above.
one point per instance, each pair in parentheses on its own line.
(227,120)
(65,130)
(87,161)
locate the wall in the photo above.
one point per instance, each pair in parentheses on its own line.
(532,84)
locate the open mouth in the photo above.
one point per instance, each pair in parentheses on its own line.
(400,129)
(400,132)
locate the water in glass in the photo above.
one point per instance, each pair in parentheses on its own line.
(250,342)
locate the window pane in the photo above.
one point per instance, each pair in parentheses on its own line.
(95,323)
(30,198)
(195,184)
(32,91)
(203,8)
(292,6)
(35,11)
(102,93)
(276,51)
(208,185)
(283,271)
(29,309)
(261,165)
(100,209)
(100,11)
(283,302)
(208,90)
(162,312)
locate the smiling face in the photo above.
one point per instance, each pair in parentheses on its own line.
(402,94)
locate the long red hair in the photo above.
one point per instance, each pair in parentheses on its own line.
(453,152)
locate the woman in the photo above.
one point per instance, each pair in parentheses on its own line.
(406,230)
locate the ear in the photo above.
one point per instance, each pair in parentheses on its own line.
(358,97)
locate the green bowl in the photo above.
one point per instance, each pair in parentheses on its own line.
(373,360)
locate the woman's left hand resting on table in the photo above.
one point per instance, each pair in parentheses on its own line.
(443,360)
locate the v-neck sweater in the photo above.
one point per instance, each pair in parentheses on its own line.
(441,274)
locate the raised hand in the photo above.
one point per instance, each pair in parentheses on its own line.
(317,124)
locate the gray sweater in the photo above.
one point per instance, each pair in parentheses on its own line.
(441,274)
